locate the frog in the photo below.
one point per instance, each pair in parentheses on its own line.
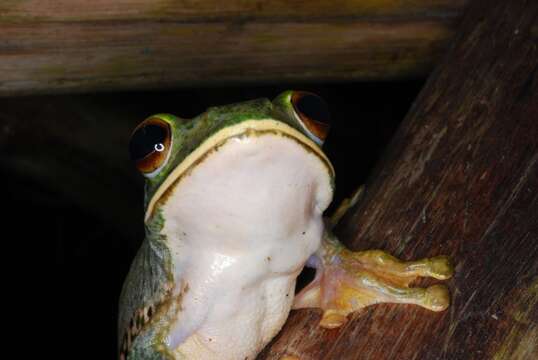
(235,202)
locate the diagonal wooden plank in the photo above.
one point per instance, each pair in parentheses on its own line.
(459,178)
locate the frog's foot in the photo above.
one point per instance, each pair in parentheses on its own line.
(348,281)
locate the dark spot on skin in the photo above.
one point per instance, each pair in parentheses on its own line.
(287,295)
(268,258)
(304,232)
(210,339)
(135,326)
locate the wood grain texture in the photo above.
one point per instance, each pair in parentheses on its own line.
(65,46)
(460,178)
(192,10)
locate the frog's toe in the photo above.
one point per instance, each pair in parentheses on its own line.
(332,319)
(348,281)
(437,298)
(441,268)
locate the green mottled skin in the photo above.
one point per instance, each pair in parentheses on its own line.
(147,284)
(150,279)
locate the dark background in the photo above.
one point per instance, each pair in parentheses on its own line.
(74,201)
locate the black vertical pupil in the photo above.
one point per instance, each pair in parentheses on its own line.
(313,107)
(144,140)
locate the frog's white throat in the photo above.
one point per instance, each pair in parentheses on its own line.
(240,227)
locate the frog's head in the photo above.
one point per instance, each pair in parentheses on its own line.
(166,148)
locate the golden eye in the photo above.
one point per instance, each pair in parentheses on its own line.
(150,145)
(313,113)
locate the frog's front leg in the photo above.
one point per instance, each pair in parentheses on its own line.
(347,281)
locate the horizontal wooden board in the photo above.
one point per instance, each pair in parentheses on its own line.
(204,10)
(88,46)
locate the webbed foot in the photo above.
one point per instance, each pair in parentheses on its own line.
(347,281)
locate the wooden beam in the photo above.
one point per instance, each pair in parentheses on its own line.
(66,46)
(459,178)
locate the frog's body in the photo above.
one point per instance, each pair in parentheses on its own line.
(234,210)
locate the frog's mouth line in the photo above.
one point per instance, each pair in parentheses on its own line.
(213,143)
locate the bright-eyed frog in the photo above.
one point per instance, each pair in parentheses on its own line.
(233,212)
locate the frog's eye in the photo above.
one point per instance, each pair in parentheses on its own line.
(150,146)
(313,114)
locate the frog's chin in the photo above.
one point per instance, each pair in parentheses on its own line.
(252,192)
(249,128)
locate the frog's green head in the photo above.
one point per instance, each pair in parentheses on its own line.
(165,147)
